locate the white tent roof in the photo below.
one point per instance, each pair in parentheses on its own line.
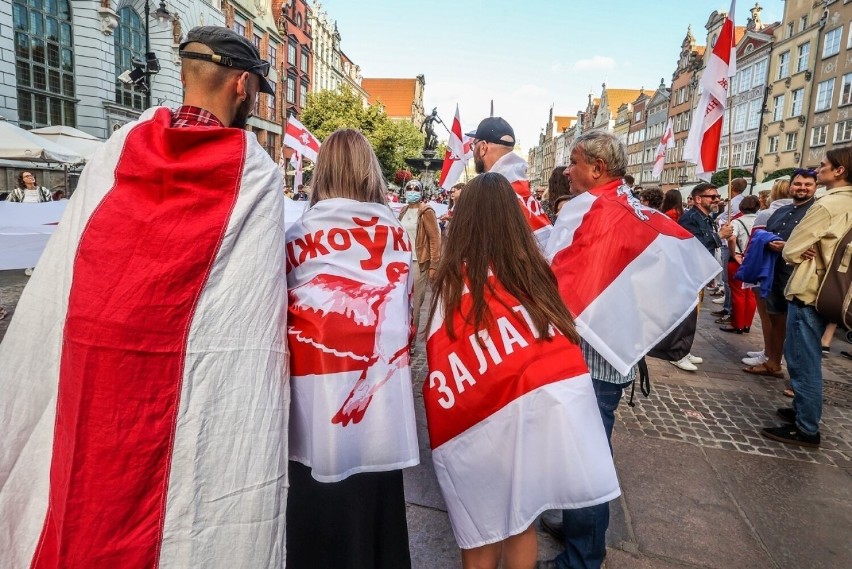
(80,142)
(19,144)
(768,185)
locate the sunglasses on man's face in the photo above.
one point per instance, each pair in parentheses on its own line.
(713,197)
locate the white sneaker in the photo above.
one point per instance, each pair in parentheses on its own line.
(756,354)
(694,359)
(28,272)
(720,300)
(684,364)
(756,361)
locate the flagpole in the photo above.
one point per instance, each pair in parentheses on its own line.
(730,149)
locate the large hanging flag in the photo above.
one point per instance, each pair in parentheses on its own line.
(613,259)
(459,152)
(666,142)
(145,400)
(490,398)
(297,137)
(702,143)
(349,329)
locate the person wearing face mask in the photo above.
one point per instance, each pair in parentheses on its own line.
(419,220)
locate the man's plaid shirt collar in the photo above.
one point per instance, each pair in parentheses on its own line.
(193,116)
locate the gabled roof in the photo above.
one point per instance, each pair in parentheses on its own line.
(396,95)
(617,97)
(563,122)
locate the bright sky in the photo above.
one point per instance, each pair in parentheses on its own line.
(526,55)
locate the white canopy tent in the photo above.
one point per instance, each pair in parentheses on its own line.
(19,144)
(80,142)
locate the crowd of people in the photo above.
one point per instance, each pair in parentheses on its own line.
(231,392)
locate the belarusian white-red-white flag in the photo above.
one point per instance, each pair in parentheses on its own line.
(459,151)
(702,143)
(145,397)
(297,137)
(614,259)
(666,142)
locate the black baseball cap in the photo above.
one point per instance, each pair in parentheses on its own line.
(496,130)
(230,49)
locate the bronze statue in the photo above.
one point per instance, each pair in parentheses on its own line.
(428,128)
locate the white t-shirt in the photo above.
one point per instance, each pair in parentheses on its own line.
(409,222)
(30,196)
(742,231)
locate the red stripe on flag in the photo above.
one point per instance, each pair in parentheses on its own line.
(710,146)
(140,267)
(609,237)
(521,369)
(725,41)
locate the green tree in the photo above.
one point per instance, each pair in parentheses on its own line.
(779,173)
(392,141)
(720,178)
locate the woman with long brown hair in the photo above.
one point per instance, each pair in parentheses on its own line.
(504,370)
(352,426)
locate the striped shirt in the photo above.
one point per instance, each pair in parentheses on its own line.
(600,369)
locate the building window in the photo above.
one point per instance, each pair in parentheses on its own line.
(291,53)
(773,144)
(303,93)
(738,155)
(825,93)
(753,114)
(677,123)
(291,89)
(803,57)
(304,66)
(273,55)
(845,89)
(638,116)
(819,134)
(791,140)
(44,63)
(239,27)
(783,65)
(750,149)
(843,131)
(778,108)
(271,143)
(745,80)
(270,101)
(739,117)
(796,101)
(759,73)
(831,45)
(129,44)
(723,157)
(735,81)
(789,30)
(686,116)
(257,40)
(803,23)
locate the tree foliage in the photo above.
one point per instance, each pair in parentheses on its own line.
(720,178)
(392,141)
(779,173)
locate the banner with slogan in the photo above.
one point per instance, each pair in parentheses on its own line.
(348,274)
(514,424)
(25,229)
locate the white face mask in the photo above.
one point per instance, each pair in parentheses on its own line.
(413,196)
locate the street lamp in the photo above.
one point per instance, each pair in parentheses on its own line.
(682,179)
(151,65)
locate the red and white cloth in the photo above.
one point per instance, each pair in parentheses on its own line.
(348,269)
(702,142)
(514,424)
(297,137)
(666,142)
(145,399)
(514,168)
(459,152)
(628,273)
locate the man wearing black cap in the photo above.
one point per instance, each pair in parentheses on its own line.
(492,146)
(151,428)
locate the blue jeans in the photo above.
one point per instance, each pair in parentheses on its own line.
(725,254)
(803,350)
(585,528)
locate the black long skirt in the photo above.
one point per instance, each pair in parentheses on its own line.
(357,523)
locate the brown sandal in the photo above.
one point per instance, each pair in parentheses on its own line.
(761,369)
(789,393)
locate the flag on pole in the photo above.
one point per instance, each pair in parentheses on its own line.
(297,137)
(490,396)
(296,163)
(666,142)
(612,258)
(459,151)
(702,143)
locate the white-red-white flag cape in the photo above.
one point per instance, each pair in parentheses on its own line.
(297,137)
(628,273)
(145,399)
(666,142)
(348,269)
(459,152)
(702,142)
(514,168)
(488,407)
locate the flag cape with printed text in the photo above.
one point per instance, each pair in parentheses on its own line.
(145,399)
(458,153)
(297,137)
(615,261)
(702,142)
(348,271)
(516,412)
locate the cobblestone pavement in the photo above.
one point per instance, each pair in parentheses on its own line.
(11,286)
